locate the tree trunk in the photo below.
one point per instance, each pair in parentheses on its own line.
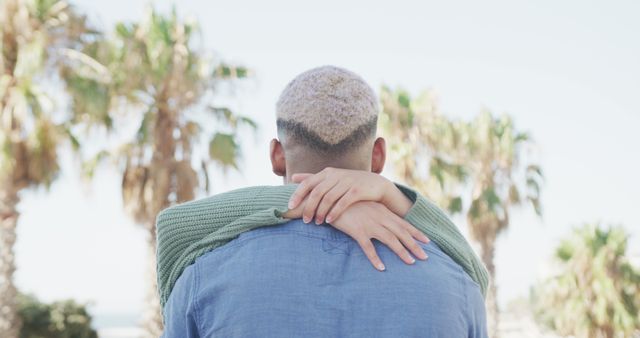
(488,253)
(10,322)
(152,318)
(162,170)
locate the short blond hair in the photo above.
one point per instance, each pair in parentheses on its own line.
(328,108)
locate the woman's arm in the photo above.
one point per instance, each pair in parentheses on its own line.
(365,220)
(333,191)
(330,192)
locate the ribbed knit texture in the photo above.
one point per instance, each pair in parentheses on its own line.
(189,230)
(433,222)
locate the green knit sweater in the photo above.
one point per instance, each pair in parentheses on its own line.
(189,230)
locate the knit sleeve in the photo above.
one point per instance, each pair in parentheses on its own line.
(188,230)
(432,221)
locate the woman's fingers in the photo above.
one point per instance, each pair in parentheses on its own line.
(329,200)
(370,251)
(314,198)
(389,239)
(417,234)
(304,188)
(400,231)
(349,197)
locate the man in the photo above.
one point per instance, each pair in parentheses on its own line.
(300,280)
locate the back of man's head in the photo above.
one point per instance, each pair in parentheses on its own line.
(327,116)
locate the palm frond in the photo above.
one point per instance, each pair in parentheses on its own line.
(224,150)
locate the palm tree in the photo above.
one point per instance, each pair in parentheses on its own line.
(596,291)
(500,180)
(424,145)
(36,37)
(156,77)
(453,162)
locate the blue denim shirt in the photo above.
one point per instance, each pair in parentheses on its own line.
(305,280)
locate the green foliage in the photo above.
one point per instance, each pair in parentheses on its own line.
(446,159)
(455,205)
(424,145)
(89,99)
(63,319)
(39,36)
(225,71)
(224,149)
(596,292)
(155,72)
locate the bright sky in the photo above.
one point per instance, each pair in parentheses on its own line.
(567,71)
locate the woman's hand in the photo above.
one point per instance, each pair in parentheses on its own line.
(330,192)
(366,220)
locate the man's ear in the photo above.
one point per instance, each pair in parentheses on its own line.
(278,162)
(378,155)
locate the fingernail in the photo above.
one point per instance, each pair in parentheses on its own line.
(329,219)
(426,239)
(412,260)
(318,221)
(306,219)
(380,267)
(423,255)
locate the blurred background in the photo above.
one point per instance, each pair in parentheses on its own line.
(518,118)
